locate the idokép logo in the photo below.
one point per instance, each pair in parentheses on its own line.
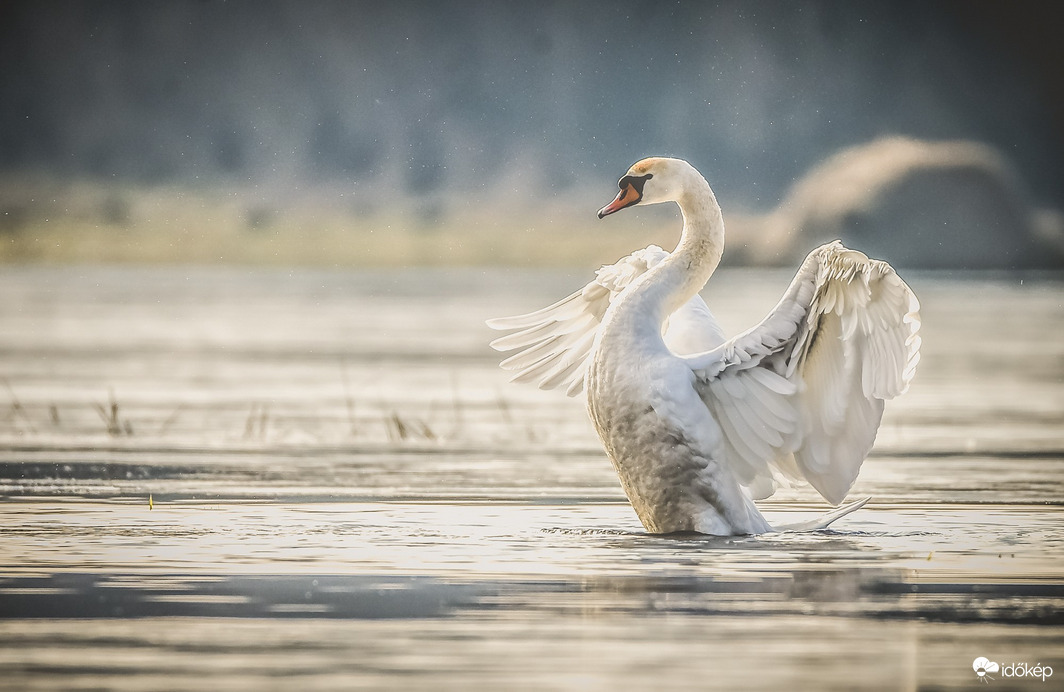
(983,667)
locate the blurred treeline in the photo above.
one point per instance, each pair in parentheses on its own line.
(261,130)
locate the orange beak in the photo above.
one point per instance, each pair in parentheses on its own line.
(625,198)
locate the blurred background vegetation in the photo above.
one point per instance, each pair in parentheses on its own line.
(396,133)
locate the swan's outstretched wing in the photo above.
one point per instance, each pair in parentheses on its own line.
(553,344)
(801,394)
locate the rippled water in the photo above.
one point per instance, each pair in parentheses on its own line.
(253,480)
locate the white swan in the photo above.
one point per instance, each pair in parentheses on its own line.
(698,426)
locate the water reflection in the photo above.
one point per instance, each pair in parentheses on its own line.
(828,591)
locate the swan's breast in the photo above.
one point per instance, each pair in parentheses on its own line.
(661,439)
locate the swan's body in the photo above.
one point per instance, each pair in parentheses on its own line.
(698,426)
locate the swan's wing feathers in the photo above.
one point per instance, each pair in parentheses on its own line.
(801,394)
(860,346)
(553,344)
(753,407)
(566,307)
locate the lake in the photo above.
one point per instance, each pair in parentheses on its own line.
(262,479)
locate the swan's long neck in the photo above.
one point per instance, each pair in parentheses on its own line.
(685,271)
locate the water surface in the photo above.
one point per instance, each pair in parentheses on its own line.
(264,479)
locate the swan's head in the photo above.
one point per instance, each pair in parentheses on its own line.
(652,181)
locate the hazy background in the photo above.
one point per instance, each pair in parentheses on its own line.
(489,132)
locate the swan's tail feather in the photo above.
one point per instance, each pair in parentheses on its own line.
(826,520)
